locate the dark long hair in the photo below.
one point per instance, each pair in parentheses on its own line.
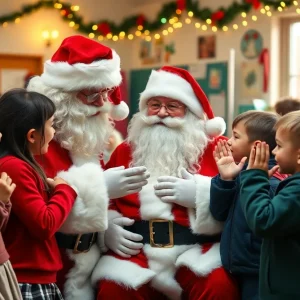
(21,111)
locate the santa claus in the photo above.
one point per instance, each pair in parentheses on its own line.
(163,242)
(82,79)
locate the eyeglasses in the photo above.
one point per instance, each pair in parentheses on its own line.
(171,107)
(104,94)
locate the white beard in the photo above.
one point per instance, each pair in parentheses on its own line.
(166,149)
(76,129)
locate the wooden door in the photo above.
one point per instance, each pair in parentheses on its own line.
(15,68)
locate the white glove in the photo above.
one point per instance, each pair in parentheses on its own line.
(176,190)
(120,240)
(121,182)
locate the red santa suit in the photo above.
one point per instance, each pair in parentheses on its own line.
(78,64)
(167,269)
(159,265)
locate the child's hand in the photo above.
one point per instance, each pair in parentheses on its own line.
(228,169)
(259,158)
(55,181)
(6,187)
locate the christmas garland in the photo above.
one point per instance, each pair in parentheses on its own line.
(219,18)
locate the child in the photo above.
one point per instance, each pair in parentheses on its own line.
(240,248)
(276,219)
(26,120)
(9,289)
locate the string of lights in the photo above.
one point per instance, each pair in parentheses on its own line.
(171,17)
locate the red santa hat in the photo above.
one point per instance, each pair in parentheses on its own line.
(81,63)
(179,84)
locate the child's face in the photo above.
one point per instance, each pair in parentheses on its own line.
(239,143)
(49,131)
(286,154)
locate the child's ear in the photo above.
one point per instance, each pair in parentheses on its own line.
(31,136)
(255,143)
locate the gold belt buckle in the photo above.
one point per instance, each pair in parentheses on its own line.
(78,241)
(152,233)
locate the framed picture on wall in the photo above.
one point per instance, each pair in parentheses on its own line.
(206,46)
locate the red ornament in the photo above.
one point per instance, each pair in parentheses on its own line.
(217,16)
(140,20)
(255,35)
(255,3)
(65,12)
(181,4)
(104,28)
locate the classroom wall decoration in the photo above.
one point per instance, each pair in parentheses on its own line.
(251,44)
(207,46)
(252,79)
(169,16)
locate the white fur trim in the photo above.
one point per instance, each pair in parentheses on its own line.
(121,271)
(201,219)
(173,86)
(215,127)
(78,285)
(119,112)
(103,73)
(89,213)
(151,207)
(112,214)
(203,265)
(162,262)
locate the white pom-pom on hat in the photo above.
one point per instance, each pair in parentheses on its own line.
(215,127)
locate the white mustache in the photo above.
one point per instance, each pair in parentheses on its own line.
(90,110)
(168,121)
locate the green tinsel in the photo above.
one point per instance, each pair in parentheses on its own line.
(130,23)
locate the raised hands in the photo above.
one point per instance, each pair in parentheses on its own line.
(227,167)
(6,187)
(259,158)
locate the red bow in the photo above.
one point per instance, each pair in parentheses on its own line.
(140,20)
(218,15)
(255,3)
(104,28)
(181,4)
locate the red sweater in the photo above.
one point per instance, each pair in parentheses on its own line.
(34,219)
(4,214)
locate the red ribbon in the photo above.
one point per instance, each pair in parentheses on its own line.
(181,4)
(140,20)
(264,60)
(104,28)
(255,3)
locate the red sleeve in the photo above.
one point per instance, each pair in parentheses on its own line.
(41,216)
(4,214)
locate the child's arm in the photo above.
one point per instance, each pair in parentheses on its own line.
(223,187)
(42,217)
(268,217)
(6,189)
(222,194)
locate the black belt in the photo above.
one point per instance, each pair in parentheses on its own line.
(79,243)
(165,234)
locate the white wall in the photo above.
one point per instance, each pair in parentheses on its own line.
(25,37)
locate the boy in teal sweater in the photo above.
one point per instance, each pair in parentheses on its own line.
(276,220)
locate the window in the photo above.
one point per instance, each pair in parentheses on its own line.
(294,65)
(290,57)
